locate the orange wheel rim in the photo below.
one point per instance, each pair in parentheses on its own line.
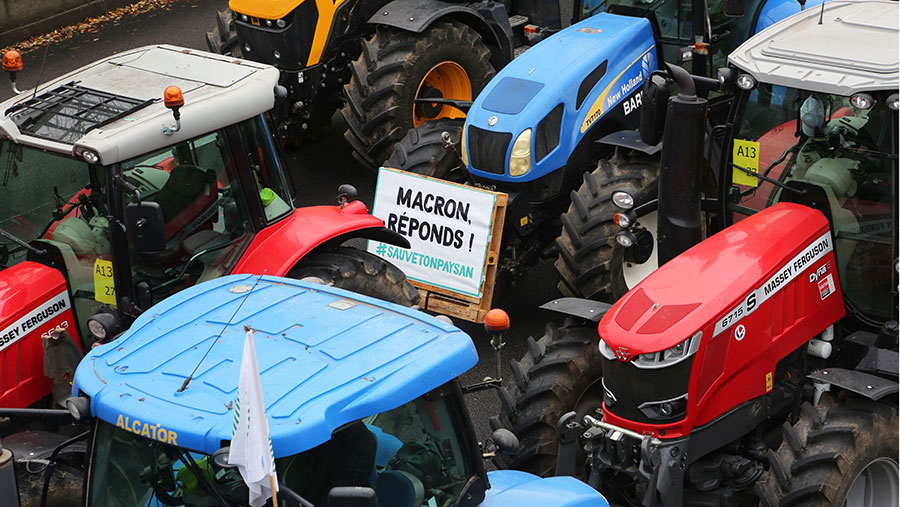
(452,82)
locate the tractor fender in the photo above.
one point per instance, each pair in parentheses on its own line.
(276,249)
(586,309)
(572,88)
(630,140)
(491,22)
(861,383)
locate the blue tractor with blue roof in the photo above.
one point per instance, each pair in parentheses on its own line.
(362,400)
(556,128)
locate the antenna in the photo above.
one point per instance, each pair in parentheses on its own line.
(822,12)
(40,71)
(191,376)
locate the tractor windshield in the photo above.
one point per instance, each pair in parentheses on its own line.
(842,149)
(412,456)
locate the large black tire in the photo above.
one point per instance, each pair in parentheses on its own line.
(591,263)
(387,76)
(223,38)
(358,271)
(824,452)
(560,373)
(424,151)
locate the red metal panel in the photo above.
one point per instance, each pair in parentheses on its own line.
(33,300)
(277,249)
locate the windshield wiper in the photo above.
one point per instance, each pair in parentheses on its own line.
(22,243)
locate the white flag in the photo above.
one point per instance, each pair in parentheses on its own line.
(251,449)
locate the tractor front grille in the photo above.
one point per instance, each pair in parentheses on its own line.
(628,387)
(292,43)
(487,150)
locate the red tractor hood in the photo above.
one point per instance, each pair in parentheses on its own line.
(720,280)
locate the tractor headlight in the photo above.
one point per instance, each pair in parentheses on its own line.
(520,157)
(862,101)
(665,409)
(281,23)
(745,82)
(671,355)
(462,146)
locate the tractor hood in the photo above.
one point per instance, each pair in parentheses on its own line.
(588,69)
(511,487)
(713,286)
(326,356)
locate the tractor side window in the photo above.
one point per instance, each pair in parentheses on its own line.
(206,220)
(410,455)
(267,173)
(41,191)
(840,153)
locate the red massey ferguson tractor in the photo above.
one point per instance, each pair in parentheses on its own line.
(760,364)
(108,204)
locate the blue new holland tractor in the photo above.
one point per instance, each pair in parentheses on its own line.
(556,129)
(362,400)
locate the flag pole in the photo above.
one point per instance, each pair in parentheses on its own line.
(274,493)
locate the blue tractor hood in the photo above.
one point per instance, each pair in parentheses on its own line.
(589,67)
(326,357)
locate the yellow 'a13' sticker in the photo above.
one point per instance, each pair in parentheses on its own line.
(768,382)
(745,154)
(104,285)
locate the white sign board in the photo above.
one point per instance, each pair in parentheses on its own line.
(447,225)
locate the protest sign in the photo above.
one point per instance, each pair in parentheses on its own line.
(450,228)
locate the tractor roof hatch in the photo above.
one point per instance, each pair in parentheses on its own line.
(327,357)
(799,52)
(114,108)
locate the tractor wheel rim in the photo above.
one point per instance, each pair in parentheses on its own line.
(452,81)
(633,272)
(877,484)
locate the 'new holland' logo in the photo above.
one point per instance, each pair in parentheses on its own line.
(788,272)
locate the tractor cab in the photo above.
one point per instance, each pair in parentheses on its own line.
(830,144)
(135,177)
(358,393)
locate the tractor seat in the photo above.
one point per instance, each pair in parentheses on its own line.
(189,191)
(399,489)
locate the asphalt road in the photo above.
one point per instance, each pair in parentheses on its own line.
(316,169)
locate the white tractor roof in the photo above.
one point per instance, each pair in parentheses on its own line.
(855,49)
(124,93)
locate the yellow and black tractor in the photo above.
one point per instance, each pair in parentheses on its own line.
(388,65)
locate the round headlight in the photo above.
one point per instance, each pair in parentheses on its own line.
(269,23)
(244,18)
(862,101)
(893,102)
(623,199)
(90,156)
(79,407)
(281,23)
(97,329)
(247,48)
(745,82)
(520,156)
(626,239)
(276,54)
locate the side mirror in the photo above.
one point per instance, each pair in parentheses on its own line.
(352,496)
(737,8)
(145,225)
(655,101)
(506,441)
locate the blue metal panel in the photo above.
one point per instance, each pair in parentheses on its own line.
(775,10)
(513,488)
(511,95)
(561,63)
(326,357)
